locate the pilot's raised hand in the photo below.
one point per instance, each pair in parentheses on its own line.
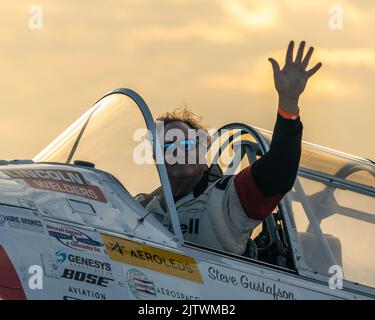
(291,80)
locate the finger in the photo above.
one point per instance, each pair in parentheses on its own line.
(300,52)
(313,70)
(306,60)
(275,65)
(289,53)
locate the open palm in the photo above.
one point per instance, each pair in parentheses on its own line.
(290,81)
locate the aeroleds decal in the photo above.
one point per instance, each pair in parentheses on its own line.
(159,260)
(64,181)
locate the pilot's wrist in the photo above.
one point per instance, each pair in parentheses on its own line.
(287,115)
(288,108)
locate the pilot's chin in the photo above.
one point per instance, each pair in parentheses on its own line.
(180,170)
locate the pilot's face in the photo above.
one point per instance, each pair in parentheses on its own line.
(184,151)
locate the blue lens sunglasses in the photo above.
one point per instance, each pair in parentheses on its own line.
(186,144)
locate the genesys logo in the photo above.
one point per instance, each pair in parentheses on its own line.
(75,239)
(61,257)
(86,263)
(143,288)
(3,219)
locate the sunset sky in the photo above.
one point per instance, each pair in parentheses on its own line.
(210,54)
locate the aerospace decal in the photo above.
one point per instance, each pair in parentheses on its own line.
(144,288)
(64,181)
(140,285)
(75,239)
(159,260)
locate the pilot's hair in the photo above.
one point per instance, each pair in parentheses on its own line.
(183,113)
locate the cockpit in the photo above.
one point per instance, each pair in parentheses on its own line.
(328,219)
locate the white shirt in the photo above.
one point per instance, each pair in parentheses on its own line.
(214,219)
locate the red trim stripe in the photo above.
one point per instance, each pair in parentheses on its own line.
(10,284)
(255,204)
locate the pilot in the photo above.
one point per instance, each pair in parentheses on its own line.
(219,211)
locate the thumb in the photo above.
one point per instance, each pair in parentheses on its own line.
(275,65)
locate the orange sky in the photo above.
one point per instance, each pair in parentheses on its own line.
(211,54)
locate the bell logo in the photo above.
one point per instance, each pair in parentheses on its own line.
(36,280)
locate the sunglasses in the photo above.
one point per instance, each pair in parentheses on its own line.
(186,144)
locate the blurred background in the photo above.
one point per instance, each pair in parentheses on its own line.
(210,54)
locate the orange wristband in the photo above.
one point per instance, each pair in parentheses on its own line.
(287,115)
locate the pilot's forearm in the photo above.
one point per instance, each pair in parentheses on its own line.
(261,186)
(276,171)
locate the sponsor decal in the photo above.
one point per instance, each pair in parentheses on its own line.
(56,175)
(61,257)
(22,223)
(52,264)
(85,277)
(3,219)
(64,181)
(85,263)
(192,227)
(159,260)
(144,288)
(139,284)
(251,284)
(84,293)
(75,239)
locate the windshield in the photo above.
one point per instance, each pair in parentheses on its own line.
(331,162)
(113,136)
